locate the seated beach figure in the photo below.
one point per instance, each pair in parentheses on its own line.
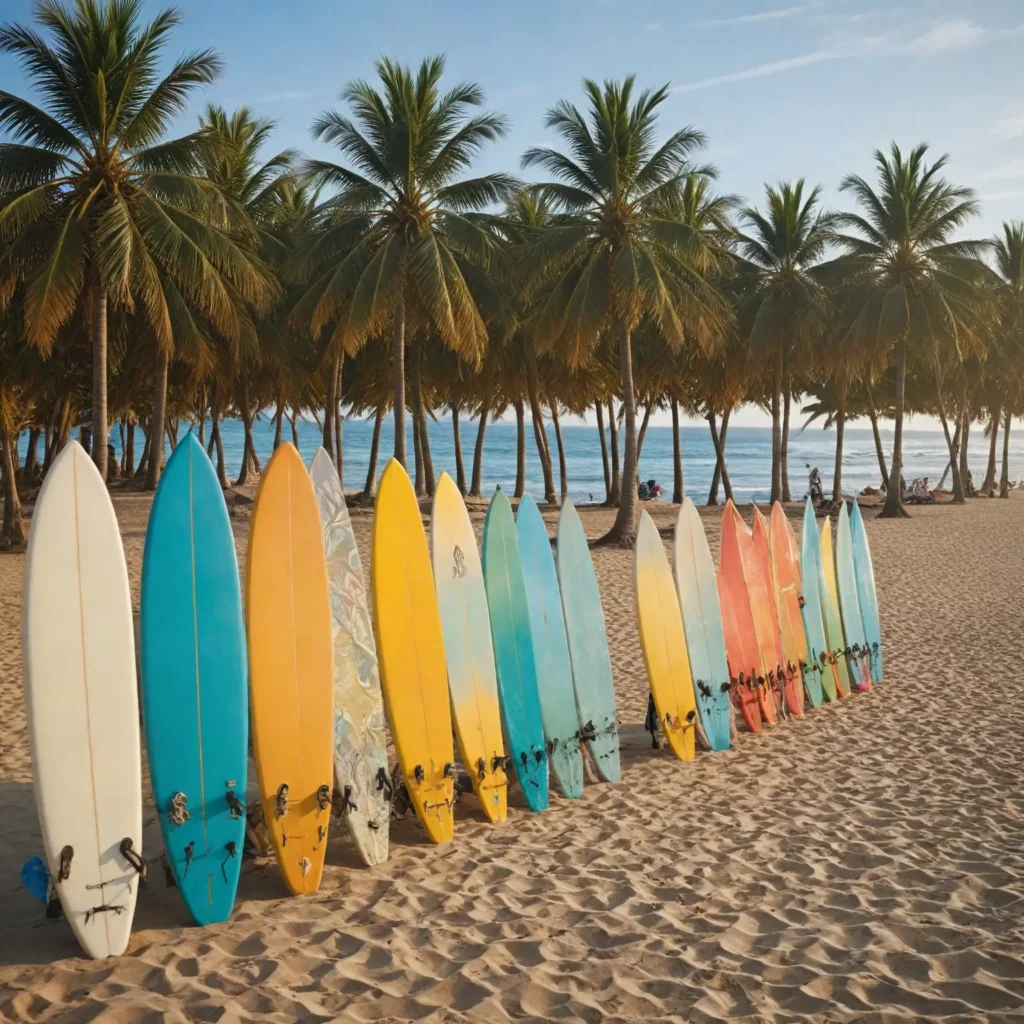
(919,493)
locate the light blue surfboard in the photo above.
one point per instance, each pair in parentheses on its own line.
(702,622)
(818,655)
(588,644)
(513,651)
(194,682)
(849,599)
(865,572)
(550,649)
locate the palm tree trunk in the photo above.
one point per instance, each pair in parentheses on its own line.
(12,532)
(894,494)
(520,449)
(292,419)
(398,368)
(837,473)
(339,454)
(776,492)
(879,451)
(128,469)
(624,529)
(330,402)
(990,471)
(147,435)
(604,454)
(615,493)
(222,469)
(786,402)
(460,468)
(279,418)
(417,454)
(716,477)
(428,461)
(202,418)
(951,444)
(99,374)
(718,440)
(370,487)
(32,453)
(965,434)
(537,415)
(424,463)
(156,429)
(478,450)
(563,473)
(949,463)
(1004,478)
(677,457)
(642,434)
(248,455)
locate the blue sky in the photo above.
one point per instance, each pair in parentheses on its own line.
(782,88)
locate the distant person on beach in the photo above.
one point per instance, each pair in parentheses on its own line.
(815,488)
(650,490)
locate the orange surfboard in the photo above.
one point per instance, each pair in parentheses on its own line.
(750,688)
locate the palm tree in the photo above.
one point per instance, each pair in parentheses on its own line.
(1008,352)
(783,248)
(919,286)
(115,214)
(621,253)
(401,245)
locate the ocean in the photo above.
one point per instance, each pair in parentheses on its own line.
(748,455)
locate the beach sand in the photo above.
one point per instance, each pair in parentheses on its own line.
(864,863)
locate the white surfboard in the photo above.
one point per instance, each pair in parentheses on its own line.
(82,704)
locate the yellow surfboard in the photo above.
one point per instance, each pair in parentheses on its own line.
(410,646)
(291,668)
(664,641)
(830,597)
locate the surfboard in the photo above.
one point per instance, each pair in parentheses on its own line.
(745,669)
(781,671)
(702,623)
(472,682)
(195,682)
(551,650)
(360,747)
(786,569)
(663,641)
(410,646)
(588,644)
(80,697)
(291,668)
(865,574)
(818,650)
(760,601)
(513,652)
(849,600)
(833,620)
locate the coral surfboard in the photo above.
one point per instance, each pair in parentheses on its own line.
(360,752)
(291,668)
(80,697)
(702,621)
(410,648)
(550,649)
(472,681)
(195,682)
(761,579)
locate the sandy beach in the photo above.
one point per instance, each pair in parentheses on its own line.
(864,863)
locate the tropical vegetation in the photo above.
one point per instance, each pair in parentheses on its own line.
(158,282)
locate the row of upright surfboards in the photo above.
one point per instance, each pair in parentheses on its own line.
(774,629)
(508,651)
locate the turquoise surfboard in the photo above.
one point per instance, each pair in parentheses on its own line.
(513,651)
(588,644)
(849,600)
(194,682)
(702,623)
(866,591)
(550,649)
(818,658)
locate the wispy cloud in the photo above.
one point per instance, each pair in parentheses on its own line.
(774,67)
(1004,172)
(289,96)
(946,35)
(777,14)
(1009,127)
